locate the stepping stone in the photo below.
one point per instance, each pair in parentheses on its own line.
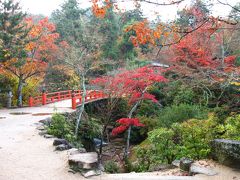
(42,133)
(74,151)
(62,147)
(48,136)
(91,173)
(41,128)
(84,160)
(196,169)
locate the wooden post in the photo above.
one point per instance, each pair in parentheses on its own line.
(30,101)
(44,98)
(74,101)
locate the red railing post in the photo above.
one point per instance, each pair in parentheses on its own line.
(44,98)
(30,101)
(74,101)
(69,93)
(93,94)
(90,95)
(59,96)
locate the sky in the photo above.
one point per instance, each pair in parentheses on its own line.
(46,7)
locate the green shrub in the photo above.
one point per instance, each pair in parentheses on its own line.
(232,128)
(89,129)
(150,124)
(111,167)
(176,92)
(156,90)
(193,137)
(221,113)
(180,113)
(188,139)
(162,139)
(185,95)
(61,128)
(139,159)
(148,108)
(159,148)
(139,134)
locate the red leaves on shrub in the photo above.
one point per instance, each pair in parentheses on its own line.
(132,83)
(119,130)
(230,60)
(125,124)
(130,122)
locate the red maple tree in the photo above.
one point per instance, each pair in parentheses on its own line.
(133,85)
(200,55)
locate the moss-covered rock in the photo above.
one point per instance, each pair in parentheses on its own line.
(226,152)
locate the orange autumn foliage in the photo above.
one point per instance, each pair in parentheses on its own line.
(41,49)
(100,7)
(159,35)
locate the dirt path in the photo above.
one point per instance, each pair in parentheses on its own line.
(24,155)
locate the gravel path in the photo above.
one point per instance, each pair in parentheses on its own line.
(24,155)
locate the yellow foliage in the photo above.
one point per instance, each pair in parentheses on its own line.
(235,83)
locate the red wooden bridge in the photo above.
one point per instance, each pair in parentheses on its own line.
(74,95)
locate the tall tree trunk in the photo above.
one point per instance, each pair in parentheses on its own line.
(19,92)
(81,110)
(134,108)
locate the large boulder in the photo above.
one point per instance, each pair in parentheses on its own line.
(84,160)
(227,152)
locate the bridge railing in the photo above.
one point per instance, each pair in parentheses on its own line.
(90,96)
(76,96)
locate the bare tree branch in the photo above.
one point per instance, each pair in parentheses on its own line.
(227,4)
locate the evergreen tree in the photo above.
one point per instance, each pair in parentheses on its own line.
(110,29)
(67,20)
(12,31)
